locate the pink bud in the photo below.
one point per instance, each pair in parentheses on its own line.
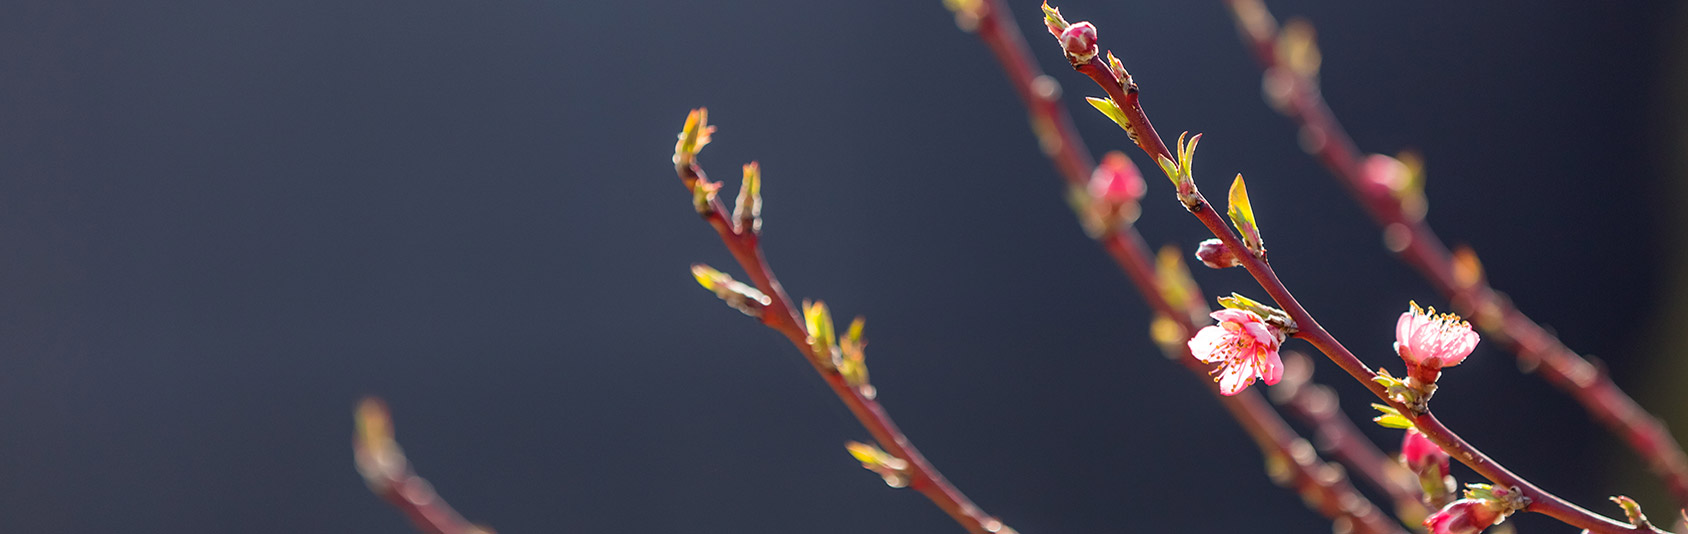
(1117,181)
(1419,453)
(1079,40)
(1464,516)
(1213,253)
(1386,173)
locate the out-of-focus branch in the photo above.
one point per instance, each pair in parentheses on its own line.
(1123,94)
(1316,405)
(1291,88)
(837,358)
(388,474)
(1290,458)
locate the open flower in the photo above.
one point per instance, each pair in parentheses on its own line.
(1245,347)
(1430,341)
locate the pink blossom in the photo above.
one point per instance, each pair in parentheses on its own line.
(1244,346)
(1419,453)
(1431,341)
(1117,181)
(1079,40)
(1464,516)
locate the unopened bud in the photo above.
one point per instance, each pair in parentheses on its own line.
(1117,180)
(1386,173)
(1079,40)
(1464,516)
(1213,253)
(1419,453)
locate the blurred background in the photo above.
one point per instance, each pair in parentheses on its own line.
(221,223)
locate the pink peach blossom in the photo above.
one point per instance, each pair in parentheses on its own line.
(1425,339)
(1244,346)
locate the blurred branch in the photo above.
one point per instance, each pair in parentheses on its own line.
(1290,458)
(839,363)
(1292,88)
(1124,95)
(388,474)
(1317,406)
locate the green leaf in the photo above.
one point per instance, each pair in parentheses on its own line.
(1242,215)
(1391,418)
(1108,107)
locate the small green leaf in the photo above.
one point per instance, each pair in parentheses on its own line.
(1169,167)
(1391,418)
(818,321)
(1239,302)
(1632,510)
(1187,153)
(1108,107)
(1242,215)
(748,208)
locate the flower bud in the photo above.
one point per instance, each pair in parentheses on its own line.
(1419,453)
(1464,516)
(1079,40)
(1213,253)
(1385,173)
(1117,181)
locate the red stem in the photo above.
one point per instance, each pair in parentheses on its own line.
(1534,346)
(389,475)
(782,316)
(1316,406)
(1335,497)
(1540,500)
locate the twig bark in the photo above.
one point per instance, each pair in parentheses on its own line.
(1317,407)
(388,474)
(779,314)
(1419,246)
(1125,94)
(1293,461)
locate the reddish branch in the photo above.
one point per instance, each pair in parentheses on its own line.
(1316,406)
(1420,247)
(1125,94)
(1291,458)
(388,474)
(779,314)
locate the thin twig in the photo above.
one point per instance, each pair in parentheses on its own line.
(1125,94)
(388,474)
(1316,406)
(1293,461)
(778,313)
(1537,349)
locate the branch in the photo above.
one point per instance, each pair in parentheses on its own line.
(388,474)
(1297,94)
(1290,457)
(1125,96)
(1316,406)
(899,461)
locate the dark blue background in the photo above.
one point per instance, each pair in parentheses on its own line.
(223,222)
